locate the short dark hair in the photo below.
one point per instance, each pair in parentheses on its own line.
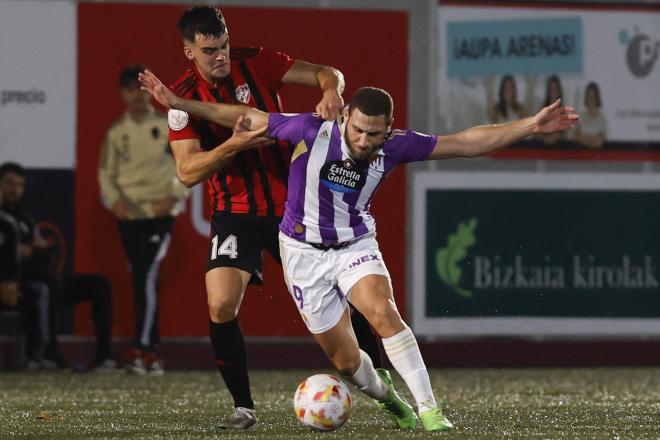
(203,20)
(129,75)
(12,167)
(372,101)
(593,85)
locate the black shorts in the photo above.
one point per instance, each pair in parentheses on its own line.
(237,240)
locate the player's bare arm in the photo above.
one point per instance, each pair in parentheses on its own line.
(226,115)
(194,165)
(327,78)
(477,141)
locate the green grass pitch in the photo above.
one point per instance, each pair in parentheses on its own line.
(619,403)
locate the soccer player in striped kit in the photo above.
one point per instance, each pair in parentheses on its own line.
(328,231)
(247,189)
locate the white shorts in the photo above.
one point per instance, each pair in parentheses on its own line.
(320,282)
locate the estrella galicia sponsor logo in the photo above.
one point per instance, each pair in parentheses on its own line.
(447,258)
(641,52)
(343,176)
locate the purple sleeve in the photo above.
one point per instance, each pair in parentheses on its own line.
(287,126)
(410,146)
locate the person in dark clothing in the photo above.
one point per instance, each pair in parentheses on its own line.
(46,289)
(30,298)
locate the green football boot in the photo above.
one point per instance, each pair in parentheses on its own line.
(434,420)
(400,410)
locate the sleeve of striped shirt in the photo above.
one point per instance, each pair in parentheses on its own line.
(410,146)
(271,67)
(287,126)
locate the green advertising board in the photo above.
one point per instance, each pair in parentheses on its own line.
(526,253)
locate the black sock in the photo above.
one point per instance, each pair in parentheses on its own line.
(231,359)
(366,339)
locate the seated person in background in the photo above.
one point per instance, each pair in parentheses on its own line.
(9,260)
(30,299)
(592,130)
(36,265)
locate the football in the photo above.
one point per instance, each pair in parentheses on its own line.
(322,402)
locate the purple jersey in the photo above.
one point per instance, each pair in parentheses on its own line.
(329,194)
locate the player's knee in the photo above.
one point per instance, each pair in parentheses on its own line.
(385,318)
(222,309)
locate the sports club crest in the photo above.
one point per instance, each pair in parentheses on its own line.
(243,93)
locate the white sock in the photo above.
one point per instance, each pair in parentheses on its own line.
(404,354)
(367,380)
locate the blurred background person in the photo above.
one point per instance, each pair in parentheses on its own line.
(138,184)
(30,300)
(553,92)
(507,108)
(9,260)
(47,290)
(592,130)
(35,299)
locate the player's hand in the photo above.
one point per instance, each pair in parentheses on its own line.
(554,118)
(330,105)
(155,87)
(121,211)
(244,138)
(9,293)
(164,206)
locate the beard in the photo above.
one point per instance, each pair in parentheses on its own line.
(360,155)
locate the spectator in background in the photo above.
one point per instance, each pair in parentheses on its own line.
(48,290)
(592,130)
(9,260)
(36,305)
(553,92)
(138,184)
(507,108)
(30,300)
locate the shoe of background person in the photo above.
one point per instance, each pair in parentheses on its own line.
(54,360)
(105,366)
(135,362)
(50,365)
(242,418)
(31,365)
(153,365)
(434,420)
(398,409)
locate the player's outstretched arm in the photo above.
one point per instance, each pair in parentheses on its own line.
(477,141)
(224,114)
(327,78)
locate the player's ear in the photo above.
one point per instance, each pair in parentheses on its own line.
(188,53)
(345,112)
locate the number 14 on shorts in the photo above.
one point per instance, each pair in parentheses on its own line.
(228,247)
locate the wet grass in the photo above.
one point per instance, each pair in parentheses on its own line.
(484,404)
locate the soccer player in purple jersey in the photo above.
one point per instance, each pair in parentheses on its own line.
(328,237)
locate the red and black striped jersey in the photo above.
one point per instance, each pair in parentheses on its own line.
(254,182)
